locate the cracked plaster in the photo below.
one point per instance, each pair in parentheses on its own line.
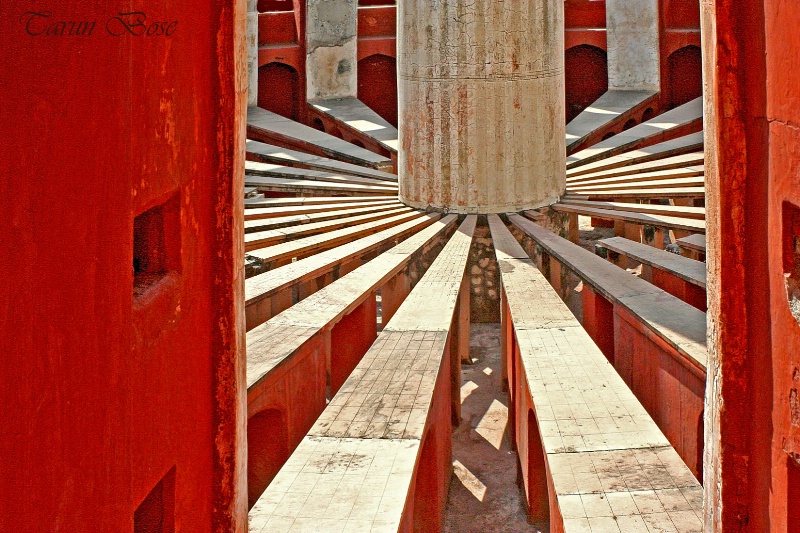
(331,59)
(633,44)
(481,91)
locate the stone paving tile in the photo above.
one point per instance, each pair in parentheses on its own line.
(334,484)
(389,394)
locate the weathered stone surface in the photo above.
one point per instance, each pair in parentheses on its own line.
(633,45)
(481,104)
(252,53)
(484,302)
(331,49)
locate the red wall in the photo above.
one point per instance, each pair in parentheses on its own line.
(282,57)
(681,68)
(264,6)
(106,394)
(753,155)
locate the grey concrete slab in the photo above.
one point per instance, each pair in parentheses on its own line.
(641,135)
(602,112)
(277,127)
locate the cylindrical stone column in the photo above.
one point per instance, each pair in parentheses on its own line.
(252,53)
(481,104)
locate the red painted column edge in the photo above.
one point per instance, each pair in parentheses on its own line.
(229,380)
(737,463)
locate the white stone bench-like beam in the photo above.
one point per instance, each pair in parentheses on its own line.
(354,114)
(662,183)
(690,271)
(680,276)
(263,125)
(257,168)
(644,331)
(378,459)
(693,246)
(269,293)
(264,239)
(294,357)
(661,222)
(592,458)
(264,213)
(638,193)
(322,202)
(281,254)
(655,175)
(652,209)
(267,153)
(309,187)
(613,107)
(681,145)
(265,224)
(667,163)
(680,121)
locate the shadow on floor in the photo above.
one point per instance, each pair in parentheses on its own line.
(484,494)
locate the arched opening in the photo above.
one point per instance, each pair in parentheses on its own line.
(586,77)
(267,449)
(336,133)
(628,125)
(377,85)
(648,114)
(358,143)
(318,124)
(279,90)
(685,68)
(608,135)
(538,498)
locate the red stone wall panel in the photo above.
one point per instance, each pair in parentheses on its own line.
(351,337)
(293,394)
(585,14)
(752,76)
(671,391)
(110,394)
(279,90)
(278,28)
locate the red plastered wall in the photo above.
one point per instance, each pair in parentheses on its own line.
(105,393)
(783,223)
(753,421)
